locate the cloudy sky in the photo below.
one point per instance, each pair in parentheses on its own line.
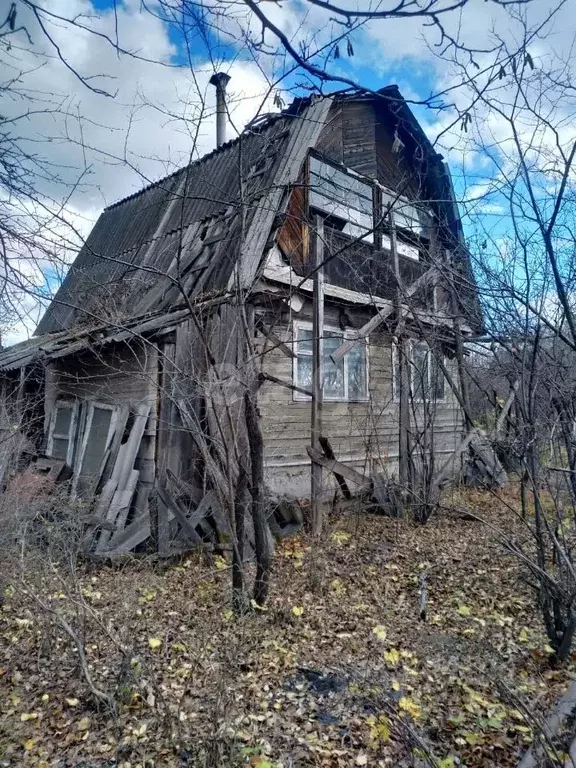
(120,97)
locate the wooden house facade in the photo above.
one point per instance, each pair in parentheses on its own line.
(210,282)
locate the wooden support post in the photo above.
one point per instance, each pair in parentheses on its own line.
(317,372)
(403,370)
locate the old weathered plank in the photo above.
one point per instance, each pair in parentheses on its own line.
(129,538)
(329,453)
(186,523)
(119,508)
(342,469)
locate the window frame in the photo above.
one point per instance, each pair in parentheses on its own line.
(395,372)
(90,406)
(409,242)
(345,334)
(72,429)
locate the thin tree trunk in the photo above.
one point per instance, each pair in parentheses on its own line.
(263,555)
(238,593)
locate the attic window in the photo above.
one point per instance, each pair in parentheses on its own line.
(346,199)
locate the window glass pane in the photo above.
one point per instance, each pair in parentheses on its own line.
(59,448)
(304,368)
(333,372)
(97,439)
(357,372)
(63,420)
(419,369)
(406,215)
(438,385)
(341,196)
(304,341)
(332,184)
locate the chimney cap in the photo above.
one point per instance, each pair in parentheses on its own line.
(220,79)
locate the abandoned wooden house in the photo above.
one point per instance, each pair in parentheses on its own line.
(317,257)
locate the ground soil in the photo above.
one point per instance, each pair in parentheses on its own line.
(339,670)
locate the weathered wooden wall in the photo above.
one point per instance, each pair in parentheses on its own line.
(363,434)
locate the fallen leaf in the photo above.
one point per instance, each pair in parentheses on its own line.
(380,632)
(297,610)
(154,642)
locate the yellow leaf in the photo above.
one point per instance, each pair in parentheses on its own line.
(379,731)
(395,685)
(29,745)
(380,632)
(154,642)
(258,607)
(45,697)
(409,706)
(28,716)
(83,724)
(523,636)
(392,656)
(141,730)
(297,610)
(72,702)
(464,610)
(340,537)
(220,563)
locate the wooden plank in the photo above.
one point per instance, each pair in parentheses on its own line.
(102,506)
(317,373)
(381,316)
(342,469)
(276,341)
(186,523)
(129,538)
(119,508)
(287,385)
(329,453)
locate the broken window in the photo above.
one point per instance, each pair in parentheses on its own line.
(426,377)
(346,380)
(98,433)
(62,431)
(346,199)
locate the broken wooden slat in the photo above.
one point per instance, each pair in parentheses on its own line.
(275,380)
(102,506)
(127,457)
(130,537)
(276,341)
(381,316)
(342,469)
(119,508)
(174,507)
(115,445)
(329,453)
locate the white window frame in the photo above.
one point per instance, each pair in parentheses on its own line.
(346,334)
(395,372)
(92,404)
(71,436)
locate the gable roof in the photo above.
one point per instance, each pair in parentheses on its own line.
(187,231)
(184,235)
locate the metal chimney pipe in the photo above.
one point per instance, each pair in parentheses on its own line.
(220,80)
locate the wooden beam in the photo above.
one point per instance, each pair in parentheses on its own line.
(329,453)
(317,373)
(275,380)
(335,466)
(276,341)
(381,316)
(187,525)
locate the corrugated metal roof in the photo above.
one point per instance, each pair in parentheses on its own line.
(191,225)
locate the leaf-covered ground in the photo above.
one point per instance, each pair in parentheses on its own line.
(338,671)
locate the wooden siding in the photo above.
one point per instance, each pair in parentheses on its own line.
(118,375)
(362,434)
